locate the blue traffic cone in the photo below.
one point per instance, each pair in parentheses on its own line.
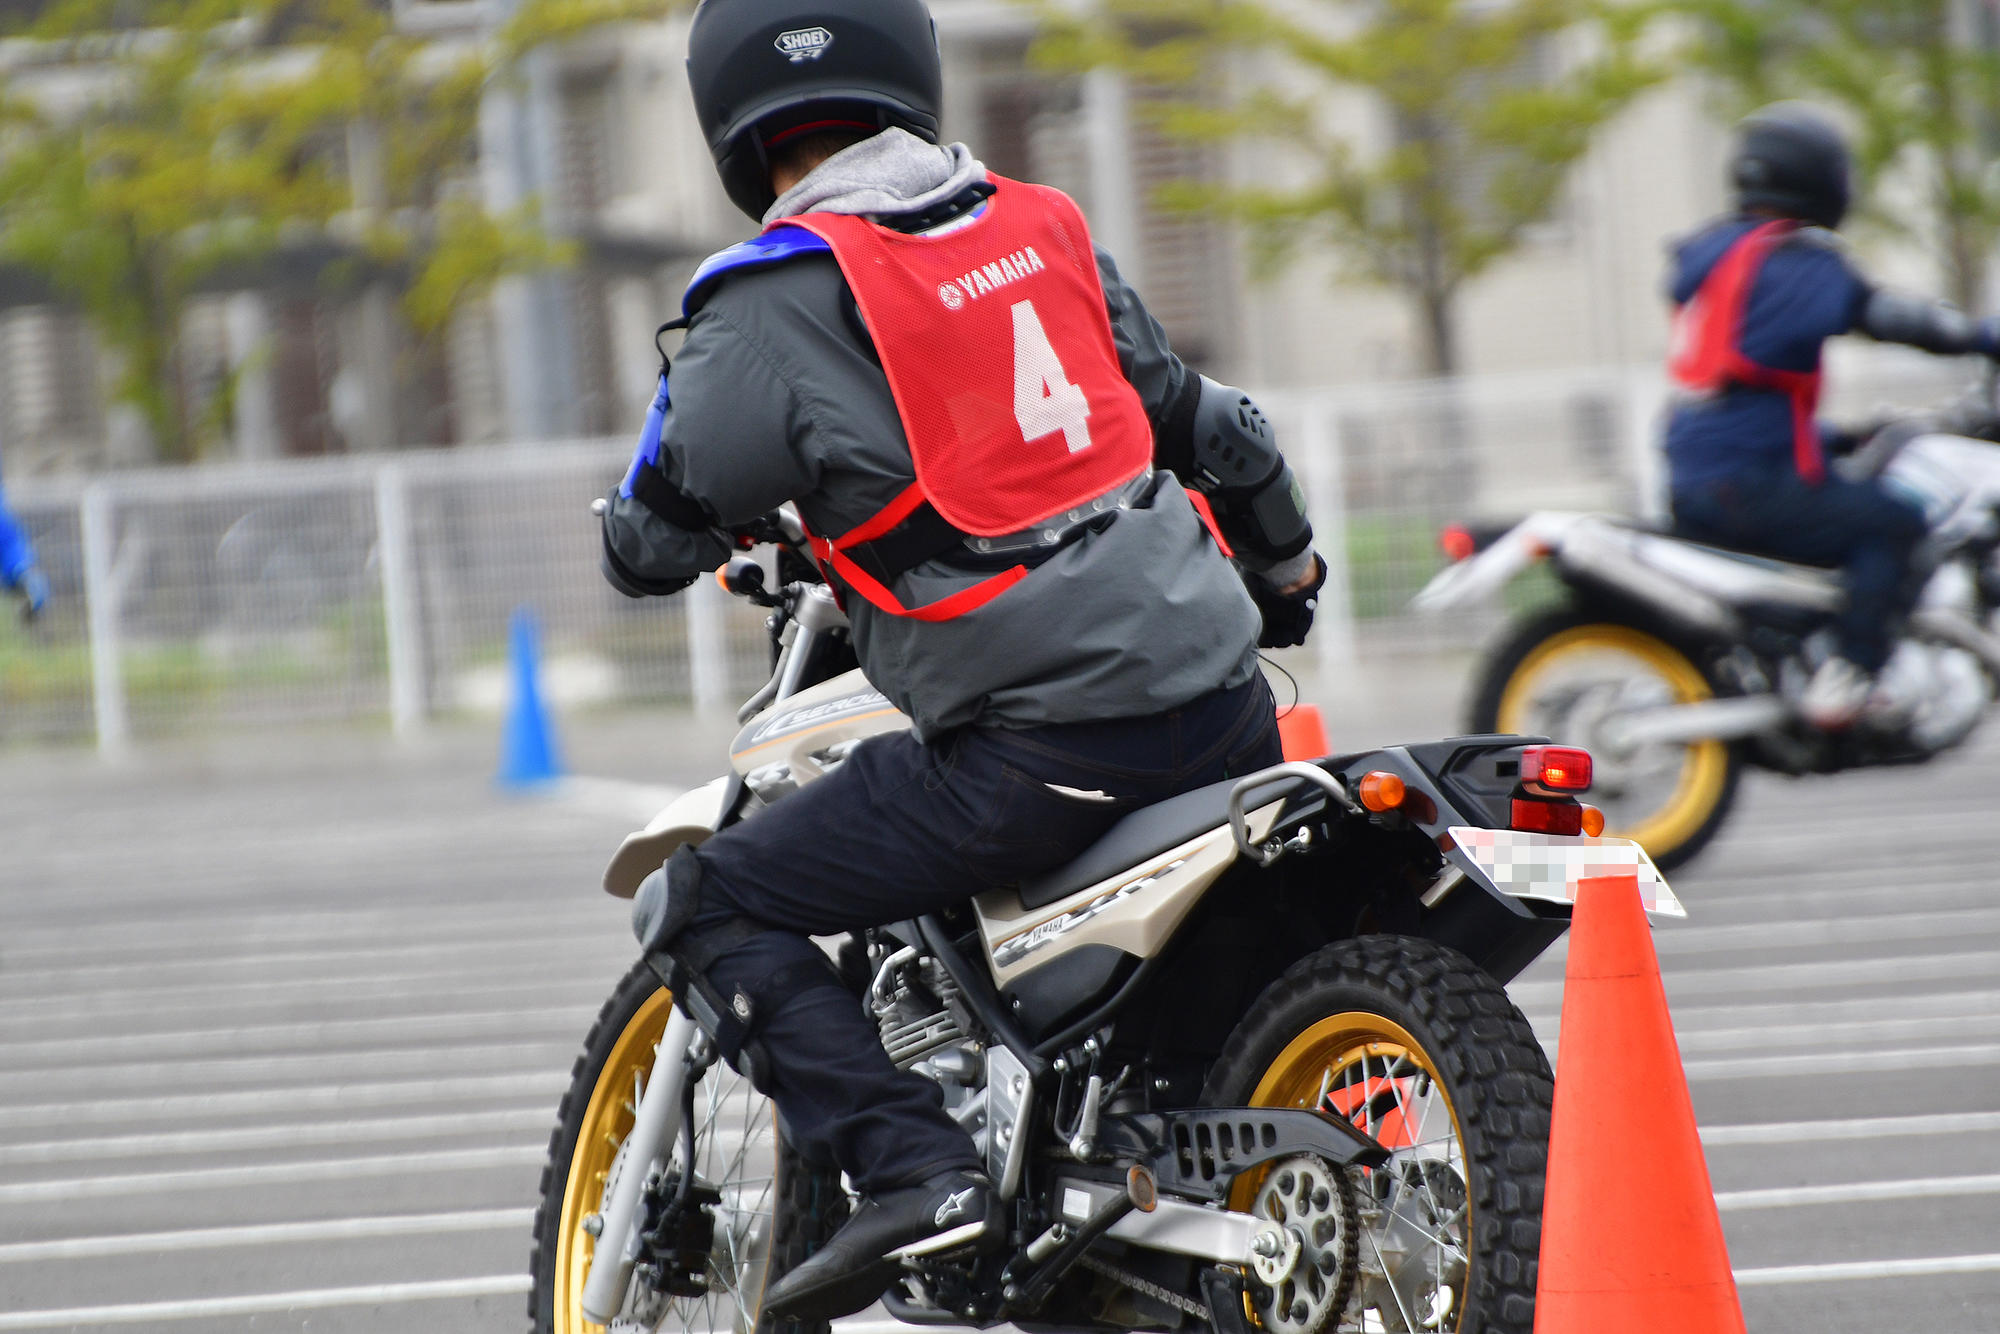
(528,754)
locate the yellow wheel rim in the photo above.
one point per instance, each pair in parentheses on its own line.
(606,1122)
(1704,768)
(1364,1066)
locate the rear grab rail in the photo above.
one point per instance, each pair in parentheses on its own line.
(1292,771)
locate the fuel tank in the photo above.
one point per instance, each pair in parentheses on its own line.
(812,730)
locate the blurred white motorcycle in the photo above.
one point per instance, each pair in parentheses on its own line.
(1679,664)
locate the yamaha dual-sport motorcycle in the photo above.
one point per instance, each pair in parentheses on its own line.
(1246,1063)
(1679,664)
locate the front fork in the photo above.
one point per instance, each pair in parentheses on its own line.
(654,1127)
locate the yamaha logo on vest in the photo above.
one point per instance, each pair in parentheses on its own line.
(803,44)
(988,278)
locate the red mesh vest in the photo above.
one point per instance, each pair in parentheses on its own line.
(999,352)
(1708,353)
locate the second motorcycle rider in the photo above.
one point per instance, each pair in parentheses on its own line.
(989,438)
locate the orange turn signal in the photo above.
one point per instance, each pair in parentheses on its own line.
(1381,791)
(722,577)
(1593,821)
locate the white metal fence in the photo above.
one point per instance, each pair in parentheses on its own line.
(377,590)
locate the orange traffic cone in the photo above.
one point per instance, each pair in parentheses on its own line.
(1631,1243)
(1303,732)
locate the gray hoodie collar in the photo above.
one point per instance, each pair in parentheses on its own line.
(892,172)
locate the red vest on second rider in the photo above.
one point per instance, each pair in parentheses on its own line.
(1708,355)
(998,349)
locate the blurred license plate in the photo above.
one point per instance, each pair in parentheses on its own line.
(1549,867)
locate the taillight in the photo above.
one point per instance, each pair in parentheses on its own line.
(1457,542)
(1547,817)
(1555,769)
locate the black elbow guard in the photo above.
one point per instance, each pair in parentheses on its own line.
(1235,462)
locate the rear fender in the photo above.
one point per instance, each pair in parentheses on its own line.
(1480,577)
(1501,896)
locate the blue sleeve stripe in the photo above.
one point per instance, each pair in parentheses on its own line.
(649,441)
(776,246)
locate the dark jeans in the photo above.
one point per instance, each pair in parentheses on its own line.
(904,829)
(1857,526)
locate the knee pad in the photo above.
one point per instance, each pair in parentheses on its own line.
(667,900)
(681,956)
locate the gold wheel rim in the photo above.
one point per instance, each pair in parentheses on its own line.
(1705,764)
(1310,1067)
(607,1120)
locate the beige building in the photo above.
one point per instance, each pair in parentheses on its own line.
(604,136)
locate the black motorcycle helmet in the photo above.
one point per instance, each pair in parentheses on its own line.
(1793,160)
(764,70)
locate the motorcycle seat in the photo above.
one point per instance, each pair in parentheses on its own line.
(1146,832)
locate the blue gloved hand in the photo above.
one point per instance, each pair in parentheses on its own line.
(34,590)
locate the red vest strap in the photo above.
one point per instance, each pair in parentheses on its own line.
(1206,513)
(944,609)
(1708,354)
(897,510)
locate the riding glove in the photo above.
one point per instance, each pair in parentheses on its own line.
(1288,617)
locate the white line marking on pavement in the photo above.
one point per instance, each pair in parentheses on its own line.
(1696,1024)
(361,926)
(1841,1063)
(298,963)
(1872,1127)
(1852,1269)
(288,1135)
(1899,968)
(311,1098)
(409,990)
(321,1033)
(454,1057)
(1955,924)
(266,1234)
(267,1174)
(306,1299)
(1857,1192)
(1778,1036)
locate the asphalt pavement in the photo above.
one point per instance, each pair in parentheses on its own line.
(283,1026)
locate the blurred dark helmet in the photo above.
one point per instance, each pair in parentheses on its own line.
(763,71)
(1792,160)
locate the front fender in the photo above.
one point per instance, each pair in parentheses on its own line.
(688,818)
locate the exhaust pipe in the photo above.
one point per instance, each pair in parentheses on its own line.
(1710,720)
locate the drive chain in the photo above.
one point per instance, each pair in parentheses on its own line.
(1145,1287)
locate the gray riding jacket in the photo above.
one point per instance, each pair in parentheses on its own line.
(777,395)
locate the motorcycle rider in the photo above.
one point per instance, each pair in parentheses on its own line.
(988,438)
(1757,293)
(20,573)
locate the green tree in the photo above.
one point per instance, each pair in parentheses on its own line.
(1487,106)
(1919,80)
(218,136)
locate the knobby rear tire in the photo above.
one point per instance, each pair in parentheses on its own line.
(1483,1053)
